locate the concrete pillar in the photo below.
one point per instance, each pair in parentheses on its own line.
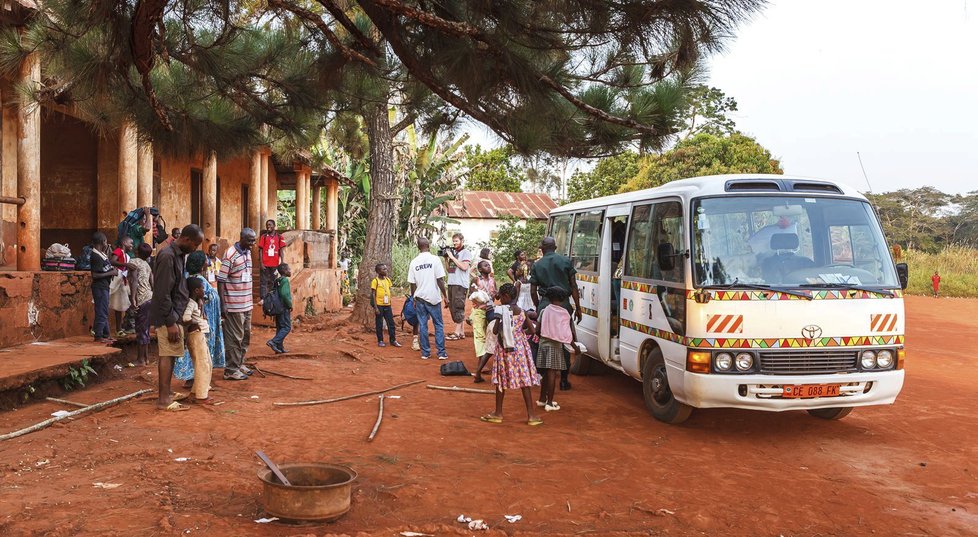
(29,170)
(128,168)
(301,200)
(254,193)
(333,218)
(208,202)
(144,175)
(272,193)
(317,207)
(264,187)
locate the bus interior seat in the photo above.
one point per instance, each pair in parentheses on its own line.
(776,267)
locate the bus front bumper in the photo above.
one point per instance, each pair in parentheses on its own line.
(765,392)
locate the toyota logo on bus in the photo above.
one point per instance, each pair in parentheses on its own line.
(812,331)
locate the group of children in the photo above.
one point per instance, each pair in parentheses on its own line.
(526,346)
(124,284)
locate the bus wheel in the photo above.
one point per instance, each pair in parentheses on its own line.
(831,413)
(659,399)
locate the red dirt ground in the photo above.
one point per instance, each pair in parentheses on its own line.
(600,466)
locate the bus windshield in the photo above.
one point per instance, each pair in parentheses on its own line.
(789,241)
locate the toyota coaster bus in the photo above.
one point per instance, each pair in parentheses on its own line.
(763,292)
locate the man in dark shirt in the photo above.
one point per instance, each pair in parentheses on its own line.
(552,270)
(170,298)
(102,274)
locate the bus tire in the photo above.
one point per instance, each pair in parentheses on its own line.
(659,399)
(831,413)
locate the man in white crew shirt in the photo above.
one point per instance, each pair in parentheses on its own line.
(426,274)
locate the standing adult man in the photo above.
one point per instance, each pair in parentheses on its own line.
(426,275)
(234,283)
(170,298)
(272,247)
(459,263)
(551,270)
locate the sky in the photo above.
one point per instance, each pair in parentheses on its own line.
(894,80)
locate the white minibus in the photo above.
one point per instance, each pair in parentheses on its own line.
(763,292)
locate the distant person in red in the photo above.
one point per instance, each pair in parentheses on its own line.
(271,245)
(936,281)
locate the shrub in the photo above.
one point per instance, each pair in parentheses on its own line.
(511,236)
(958,266)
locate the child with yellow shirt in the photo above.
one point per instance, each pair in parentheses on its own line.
(381,286)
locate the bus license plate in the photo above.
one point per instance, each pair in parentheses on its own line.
(812,390)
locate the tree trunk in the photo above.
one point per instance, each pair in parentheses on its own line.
(382,215)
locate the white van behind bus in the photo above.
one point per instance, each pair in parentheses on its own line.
(762,292)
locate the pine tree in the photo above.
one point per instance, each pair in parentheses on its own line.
(573,78)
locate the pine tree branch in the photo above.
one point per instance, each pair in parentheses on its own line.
(596,112)
(349,25)
(327,32)
(459,29)
(403,124)
(147,17)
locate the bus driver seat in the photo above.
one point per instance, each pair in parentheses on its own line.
(784,261)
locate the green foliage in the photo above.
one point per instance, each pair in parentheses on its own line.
(704,154)
(511,236)
(433,177)
(401,256)
(707,111)
(77,376)
(605,179)
(958,266)
(493,169)
(926,219)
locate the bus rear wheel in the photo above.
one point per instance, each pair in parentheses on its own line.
(659,399)
(831,413)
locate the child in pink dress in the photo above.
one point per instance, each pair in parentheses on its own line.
(513,367)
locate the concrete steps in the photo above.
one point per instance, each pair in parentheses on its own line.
(31,363)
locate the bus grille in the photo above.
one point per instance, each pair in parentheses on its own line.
(808,362)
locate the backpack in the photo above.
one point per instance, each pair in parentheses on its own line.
(272,305)
(454,369)
(408,313)
(134,218)
(84,262)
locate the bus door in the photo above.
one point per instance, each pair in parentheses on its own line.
(586,246)
(609,282)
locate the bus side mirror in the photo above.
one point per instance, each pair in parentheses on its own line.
(666,255)
(903,274)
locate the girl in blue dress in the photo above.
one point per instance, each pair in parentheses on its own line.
(184,367)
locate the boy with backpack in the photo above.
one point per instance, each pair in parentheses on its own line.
(383,311)
(278,303)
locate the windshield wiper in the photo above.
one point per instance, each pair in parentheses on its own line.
(737,284)
(850,287)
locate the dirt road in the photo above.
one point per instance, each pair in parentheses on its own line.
(600,466)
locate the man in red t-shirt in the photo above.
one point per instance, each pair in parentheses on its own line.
(271,245)
(936,281)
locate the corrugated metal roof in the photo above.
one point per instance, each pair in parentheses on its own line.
(486,204)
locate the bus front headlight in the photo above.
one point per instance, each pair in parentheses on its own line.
(745,361)
(723,361)
(868,359)
(884,359)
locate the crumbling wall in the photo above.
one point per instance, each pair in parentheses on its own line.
(41,306)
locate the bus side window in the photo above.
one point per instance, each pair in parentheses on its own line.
(638,258)
(668,229)
(586,246)
(560,230)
